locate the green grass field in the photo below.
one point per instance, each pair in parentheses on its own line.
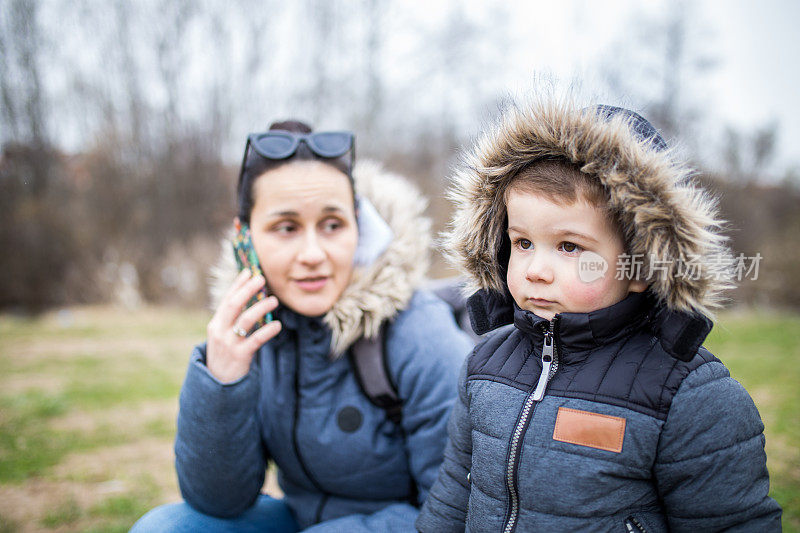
(88,399)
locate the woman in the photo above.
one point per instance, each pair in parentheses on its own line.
(343,251)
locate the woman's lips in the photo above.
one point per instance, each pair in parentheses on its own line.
(312,284)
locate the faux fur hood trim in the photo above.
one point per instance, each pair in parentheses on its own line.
(662,214)
(378,291)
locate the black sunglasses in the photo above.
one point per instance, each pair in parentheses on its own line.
(278,144)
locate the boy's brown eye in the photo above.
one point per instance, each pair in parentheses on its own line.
(525,244)
(569,247)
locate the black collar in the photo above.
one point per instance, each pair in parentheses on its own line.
(680,334)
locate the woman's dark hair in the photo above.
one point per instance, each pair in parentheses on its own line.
(255,165)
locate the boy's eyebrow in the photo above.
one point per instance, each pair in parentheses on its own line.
(561,233)
(573,233)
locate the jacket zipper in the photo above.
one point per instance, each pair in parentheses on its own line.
(631,523)
(549,367)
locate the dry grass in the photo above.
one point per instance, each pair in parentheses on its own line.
(88,400)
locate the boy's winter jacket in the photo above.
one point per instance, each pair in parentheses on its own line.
(342,464)
(629,436)
(613,420)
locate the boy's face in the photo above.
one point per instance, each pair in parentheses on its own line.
(558,255)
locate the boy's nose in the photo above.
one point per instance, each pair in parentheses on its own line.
(539,269)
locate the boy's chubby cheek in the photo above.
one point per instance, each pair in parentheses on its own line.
(587,294)
(515,289)
(591,296)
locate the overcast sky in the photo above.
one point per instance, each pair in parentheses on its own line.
(756,47)
(759,75)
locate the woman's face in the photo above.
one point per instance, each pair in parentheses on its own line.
(304,232)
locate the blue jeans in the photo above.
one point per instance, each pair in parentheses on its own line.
(267,515)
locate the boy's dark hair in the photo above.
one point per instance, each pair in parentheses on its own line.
(255,165)
(560,181)
(563,182)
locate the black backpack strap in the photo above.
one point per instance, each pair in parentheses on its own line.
(371,368)
(368,358)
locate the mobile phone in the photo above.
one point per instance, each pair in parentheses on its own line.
(246,258)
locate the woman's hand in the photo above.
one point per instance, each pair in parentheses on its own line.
(228,353)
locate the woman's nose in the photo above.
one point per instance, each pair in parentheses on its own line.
(311,252)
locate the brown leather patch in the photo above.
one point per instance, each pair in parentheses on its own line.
(590,429)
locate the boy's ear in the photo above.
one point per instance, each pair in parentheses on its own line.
(637,285)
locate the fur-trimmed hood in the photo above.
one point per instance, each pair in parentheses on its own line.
(663,215)
(383,286)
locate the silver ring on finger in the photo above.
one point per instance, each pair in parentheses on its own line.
(239,331)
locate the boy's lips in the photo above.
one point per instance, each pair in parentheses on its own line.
(541,302)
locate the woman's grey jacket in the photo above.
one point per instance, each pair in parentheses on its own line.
(613,420)
(341,464)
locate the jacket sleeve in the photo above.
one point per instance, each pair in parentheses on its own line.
(218,454)
(446,507)
(426,349)
(711,469)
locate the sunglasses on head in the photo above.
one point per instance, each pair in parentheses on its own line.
(278,144)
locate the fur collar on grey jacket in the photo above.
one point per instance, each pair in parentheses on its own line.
(663,215)
(384,285)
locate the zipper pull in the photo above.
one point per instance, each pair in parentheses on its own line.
(547,362)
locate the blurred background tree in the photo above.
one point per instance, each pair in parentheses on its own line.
(122,124)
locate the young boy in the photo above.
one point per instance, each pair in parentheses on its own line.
(593,406)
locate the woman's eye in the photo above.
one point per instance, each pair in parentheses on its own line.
(284,228)
(524,244)
(331,225)
(570,247)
